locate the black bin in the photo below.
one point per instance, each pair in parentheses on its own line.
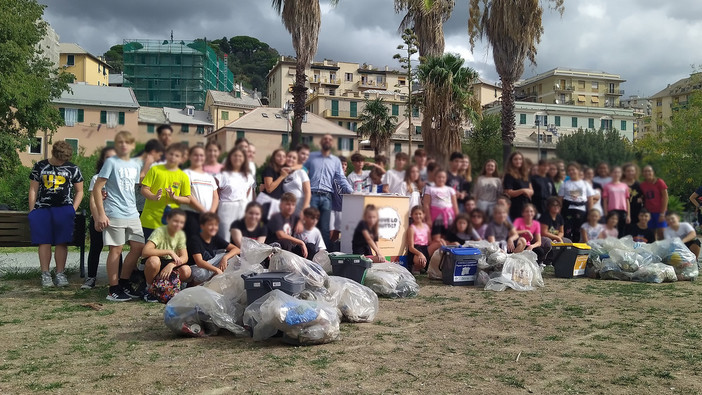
(259,284)
(350,266)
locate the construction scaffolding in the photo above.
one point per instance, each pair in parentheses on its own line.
(174,73)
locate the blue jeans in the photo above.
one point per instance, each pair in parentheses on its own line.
(322,202)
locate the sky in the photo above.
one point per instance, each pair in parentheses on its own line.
(650,43)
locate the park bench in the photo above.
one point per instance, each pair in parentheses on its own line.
(14,232)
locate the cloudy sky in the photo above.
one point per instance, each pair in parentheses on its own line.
(650,43)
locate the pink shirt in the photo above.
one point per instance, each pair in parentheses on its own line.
(213,169)
(617,195)
(421,235)
(535,228)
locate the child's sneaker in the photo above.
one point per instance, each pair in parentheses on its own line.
(119,296)
(148,298)
(89,283)
(46,280)
(61,280)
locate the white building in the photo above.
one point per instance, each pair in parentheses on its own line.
(50,45)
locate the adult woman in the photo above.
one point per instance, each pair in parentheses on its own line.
(516,184)
(465,171)
(272,189)
(636,197)
(234,182)
(297,183)
(488,187)
(576,200)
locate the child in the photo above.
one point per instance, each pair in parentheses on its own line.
(552,222)
(376,179)
(469,205)
(250,226)
(640,231)
(478,222)
(311,236)
(530,230)
(282,224)
(656,200)
(576,198)
(153,151)
(272,189)
(543,187)
(432,168)
(454,176)
(410,186)
(603,176)
(488,187)
(418,239)
(610,229)
(166,251)
(466,186)
(506,202)
(615,199)
(591,229)
(117,217)
(96,242)
(461,231)
(52,209)
(420,160)
(500,230)
(203,187)
(297,182)
(359,178)
(440,201)
(394,178)
(212,165)
(684,231)
(365,236)
(516,184)
(165,187)
(234,182)
(204,246)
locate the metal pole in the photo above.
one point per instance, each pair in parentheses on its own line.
(538,139)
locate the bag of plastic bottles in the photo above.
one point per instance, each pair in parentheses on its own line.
(391,280)
(519,272)
(199,311)
(655,273)
(356,302)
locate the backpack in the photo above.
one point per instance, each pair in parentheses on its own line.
(164,290)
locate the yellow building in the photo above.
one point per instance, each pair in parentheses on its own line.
(572,87)
(486,92)
(225,107)
(673,97)
(84,66)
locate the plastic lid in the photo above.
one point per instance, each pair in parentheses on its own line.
(461,250)
(581,246)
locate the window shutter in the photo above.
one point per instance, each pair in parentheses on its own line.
(558,120)
(121,118)
(81,115)
(351,145)
(103,116)
(62,112)
(623,125)
(338,143)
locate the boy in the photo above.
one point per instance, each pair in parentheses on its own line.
(52,210)
(640,231)
(117,216)
(543,187)
(469,205)
(303,153)
(165,187)
(393,178)
(311,236)
(655,193)
(153,151)
(359,178)
(166,251)
(454,178)
(204,247)
(420,160)
(282,224)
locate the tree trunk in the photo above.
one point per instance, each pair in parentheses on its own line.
(508,119)
(299,98)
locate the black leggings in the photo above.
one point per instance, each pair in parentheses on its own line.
(621,225)
(573,219)
(96,245)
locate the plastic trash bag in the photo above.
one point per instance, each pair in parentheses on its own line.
(597,248)
(318,295)
(655,273)
(520,272)
(322,259)
(230,283)
(481,279)
(627,260)
(486,248)
(391,280)
(680,258)
(302,322)
(284,261)
(611,271)
(199,311)
(356,302)
(498,259)
(433,271)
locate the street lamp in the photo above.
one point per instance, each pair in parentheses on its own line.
(539,115)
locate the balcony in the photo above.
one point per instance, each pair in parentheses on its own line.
(372,85)
(563,88)
(614,92)
(328,113)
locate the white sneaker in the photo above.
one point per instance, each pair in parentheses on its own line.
(46,280)
(61,280)
(89,283)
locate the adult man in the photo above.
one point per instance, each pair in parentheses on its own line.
(165,136)
(326,175)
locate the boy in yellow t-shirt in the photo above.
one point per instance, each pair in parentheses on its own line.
(164,186)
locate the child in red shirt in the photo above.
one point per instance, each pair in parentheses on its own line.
(656,200)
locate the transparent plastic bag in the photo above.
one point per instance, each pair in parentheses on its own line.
(597,248)
(627,260)
(486,248)
(520,272)
(679,257)
(302,322)
(356,302)
(433,271)
(611,271)
(391,280)
(284,261)
(322,259)
(230,283)
(497,259)
(481,279)
(199,311)
(655,273)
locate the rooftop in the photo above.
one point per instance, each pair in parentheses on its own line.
(272,119)
(100,96)
(75,49)
(153,115)
(246,100)
(180,115)
(685,85)
(568,72)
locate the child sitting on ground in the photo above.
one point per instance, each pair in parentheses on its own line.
(311,235)
(610,228)
(478,222)
(250,226)
(205,246)
(461,231)
(418,240)
(552,222)
(166,251)
(640,231)
(530,230)
(591,229)
(282,225)
(500,230)
(365,236)
(684,231)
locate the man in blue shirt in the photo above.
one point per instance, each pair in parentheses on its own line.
(326,175)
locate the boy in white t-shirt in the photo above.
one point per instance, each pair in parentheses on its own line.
(393,178)
(311,234)
(684,230)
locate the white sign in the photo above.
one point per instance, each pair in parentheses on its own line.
(388,223)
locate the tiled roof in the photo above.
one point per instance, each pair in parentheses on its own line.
(101,96)
(272,119)
(177,115)
(228,99)
(153,115)
(73,48)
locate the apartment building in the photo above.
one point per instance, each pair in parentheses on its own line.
(486,92)
(85,66)
(50,46)
(225,107)
(582,88)
(675,96)
(189,125)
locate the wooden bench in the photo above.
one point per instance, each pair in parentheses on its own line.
(14,232)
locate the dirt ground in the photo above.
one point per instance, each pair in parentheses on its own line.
(573,336)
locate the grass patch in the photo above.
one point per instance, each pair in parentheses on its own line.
(512,381)
(45,387)
(439,299)
(321,362)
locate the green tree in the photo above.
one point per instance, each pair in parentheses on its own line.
(28,81)
(484,141)
(115,58)
(426,19)
(590,147)
(250,60)
(447,103)
(674,152)
(410,46)
(377,125)
(512,28)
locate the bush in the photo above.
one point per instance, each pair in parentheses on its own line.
(14,188)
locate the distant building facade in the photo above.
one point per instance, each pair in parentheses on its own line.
(85,66)
(674,97)
(225,107)
(583,88)
(49,44)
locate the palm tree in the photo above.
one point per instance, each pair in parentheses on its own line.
(377,125)
(447,103)
(513,28)
(302,18)
(427,20)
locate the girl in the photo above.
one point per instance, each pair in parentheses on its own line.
(440,201)
(272,189)
(516,183)
(418,236)
(603,176)
(478,222)
(684,231)
(96,240)
(488,187)
(576,199)
(297,183)
(655,199)
(610,229)
(250,226)
(432,168)
(591,229)
(203,192)
(615,199)
(409,187)
(461,231)
(530,230)
(212,165)
(589,175)
(500,230)
(234,182)
(552,222)
(365,236)
(636,197)
(465,171)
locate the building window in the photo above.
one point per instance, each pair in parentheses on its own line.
(306,139)
(659,103)
(557,120)
(574,122)
(623,126)
(541,120)
(332,92)
(398,147)
(284,141)
(225,115)
(581,84)
(348,77)
(99,70)
(395,110)
(240,134)
(659,128)
(36,146)
(606,124)
(401,82)
(185,143)
(111,118)
(200,129)
(70,116)
(341,123)
(120,116)
(150,128)
(379,79)
(591,123)
(70,60)
(415,112)
(417,129)
(345,144)
(74,144)
(335,108)
(185,128)
(353,109)
(595,85)
(522,119)
(109,143)
(353,126)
